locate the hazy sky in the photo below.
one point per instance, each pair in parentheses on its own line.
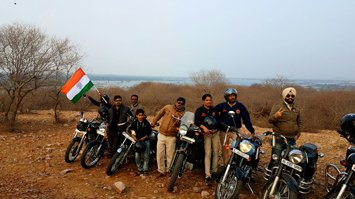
(312,39)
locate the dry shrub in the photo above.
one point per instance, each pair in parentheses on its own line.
(320,109)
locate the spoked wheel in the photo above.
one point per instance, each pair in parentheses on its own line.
(282,191)
(91,154)
(73,150)
(175,172)
(346,195)
(116,162)
(230,188)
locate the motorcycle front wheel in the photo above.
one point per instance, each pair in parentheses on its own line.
(230,188)
(281,191)
(116,162)
(91,154)
(175,172)
(73,150)
(346,195)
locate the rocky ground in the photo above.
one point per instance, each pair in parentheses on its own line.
(32,166)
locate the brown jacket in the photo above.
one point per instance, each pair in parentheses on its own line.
(169,126)
(289,124)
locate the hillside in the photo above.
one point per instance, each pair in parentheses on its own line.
(32,165)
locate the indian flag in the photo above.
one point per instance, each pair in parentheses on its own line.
(77,86)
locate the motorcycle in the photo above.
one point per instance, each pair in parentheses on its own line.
(341,185)
(94,150)
(83,134)
(242,161)
(294,170)
(120,157)
(189,136)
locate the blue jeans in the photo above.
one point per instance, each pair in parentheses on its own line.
(145,154)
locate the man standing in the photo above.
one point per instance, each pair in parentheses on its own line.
(168,130)
(118,115)
(285,117)
(135,105)
(207,123)
(241,113)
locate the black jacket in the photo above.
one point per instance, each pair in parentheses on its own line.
(141,128)
(118,116)
(201,113)
(241,113)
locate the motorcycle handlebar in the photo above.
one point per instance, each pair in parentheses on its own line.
(230,128)
(267,133)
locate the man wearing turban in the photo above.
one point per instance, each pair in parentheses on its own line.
(286,120)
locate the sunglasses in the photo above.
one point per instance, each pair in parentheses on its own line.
(180,103)
(292,96)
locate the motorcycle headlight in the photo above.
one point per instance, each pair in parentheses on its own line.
(296,156)
(247,147)
(183,130)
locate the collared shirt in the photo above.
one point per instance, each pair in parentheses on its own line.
(290,122)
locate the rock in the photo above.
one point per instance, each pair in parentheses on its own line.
(205,194)
(196,189)
(155,191)
(142,197)
(107,188)
(160,185)
(65,125)
(119,186)
(175,189)
(65,171)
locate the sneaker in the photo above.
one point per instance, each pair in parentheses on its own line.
(214,176)
(208,181)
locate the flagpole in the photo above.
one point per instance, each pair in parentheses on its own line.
(97,90)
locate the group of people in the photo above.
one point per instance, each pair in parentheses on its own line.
(285,117)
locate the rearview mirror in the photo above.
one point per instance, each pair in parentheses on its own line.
(231,113)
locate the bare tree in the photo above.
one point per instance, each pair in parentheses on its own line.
(279,82)
(208,79)
(28,61)
(68,58)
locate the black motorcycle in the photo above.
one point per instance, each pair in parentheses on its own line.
(94,150)
(341,185)
(188,136)
(293,172)
(243,160)
(84,133)
(126,147)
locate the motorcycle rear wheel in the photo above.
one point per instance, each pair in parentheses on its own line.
(91,154)
(116,162)
(282,190)
(73,150)
(230,188)
(175,172)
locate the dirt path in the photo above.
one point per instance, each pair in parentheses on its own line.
(32,166)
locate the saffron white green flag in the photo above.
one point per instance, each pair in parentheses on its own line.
(77,86)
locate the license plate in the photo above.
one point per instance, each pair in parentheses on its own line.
(236,151)
(292,165)
(353,167)
(187,139)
